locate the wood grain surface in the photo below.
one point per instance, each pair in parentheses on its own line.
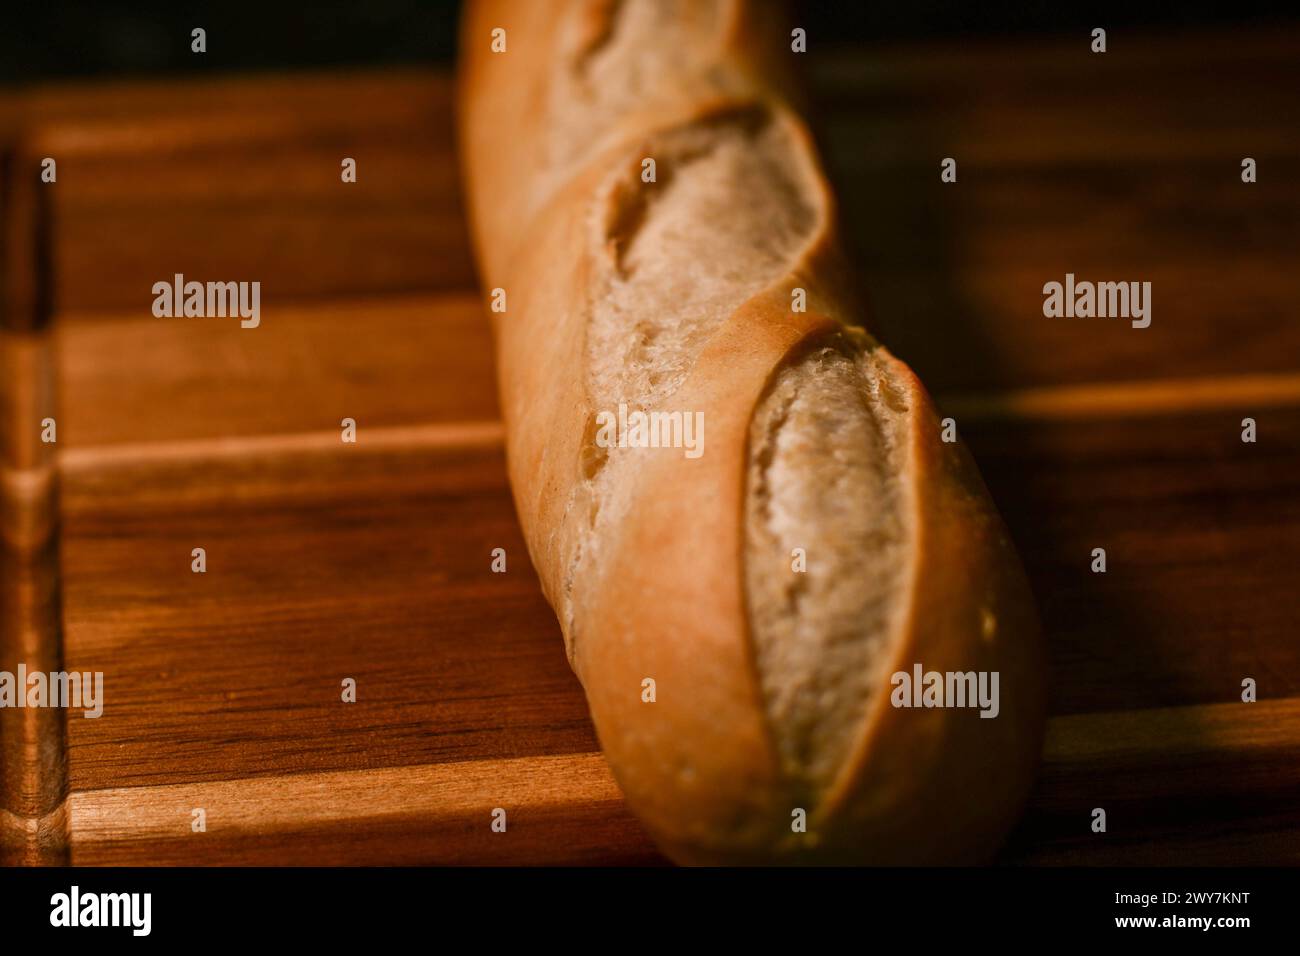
(370,561)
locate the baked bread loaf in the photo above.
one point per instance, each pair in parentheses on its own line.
(748,594)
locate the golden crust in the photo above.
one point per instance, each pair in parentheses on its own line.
(666,598)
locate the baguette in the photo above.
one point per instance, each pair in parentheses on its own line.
(752,710)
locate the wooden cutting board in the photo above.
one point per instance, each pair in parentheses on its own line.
(371,561)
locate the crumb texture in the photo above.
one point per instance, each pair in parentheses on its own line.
(622,57)
(681,254)
(825,475)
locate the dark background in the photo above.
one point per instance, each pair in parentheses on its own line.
(90,38)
